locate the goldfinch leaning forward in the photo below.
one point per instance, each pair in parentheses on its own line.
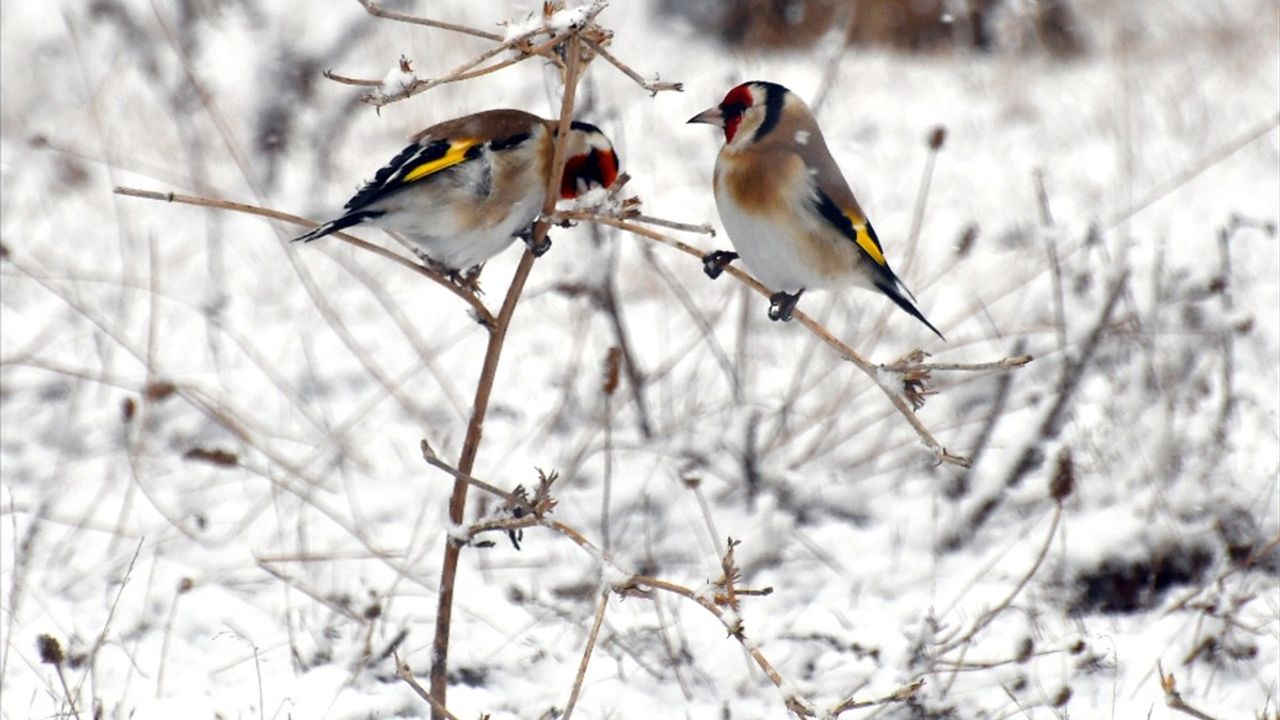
(465,188)
(787,207)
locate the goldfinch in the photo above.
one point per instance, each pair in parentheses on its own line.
(786,206)
(465,188)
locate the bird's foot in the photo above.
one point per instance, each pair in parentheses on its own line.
(781,304)
(468,279)
(538,249)
(714,262)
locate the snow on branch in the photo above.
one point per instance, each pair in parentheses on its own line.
(540,34)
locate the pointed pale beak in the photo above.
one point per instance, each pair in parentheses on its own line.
(710,116)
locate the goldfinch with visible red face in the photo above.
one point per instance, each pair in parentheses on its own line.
(787,207)
(465,188)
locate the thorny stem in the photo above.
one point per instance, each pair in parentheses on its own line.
(484,387)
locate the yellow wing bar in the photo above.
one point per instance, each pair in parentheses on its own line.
(866,239)
(456,153)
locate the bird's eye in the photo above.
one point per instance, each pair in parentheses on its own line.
(733,109)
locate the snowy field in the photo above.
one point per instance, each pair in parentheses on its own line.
(214,499)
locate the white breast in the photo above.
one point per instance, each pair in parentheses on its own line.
(771,249)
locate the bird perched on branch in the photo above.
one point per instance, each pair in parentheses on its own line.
(465,188)
(786,206)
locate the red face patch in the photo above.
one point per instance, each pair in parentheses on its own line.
(598,167)
(732,107)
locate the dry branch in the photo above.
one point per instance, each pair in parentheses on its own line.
(484,386)
(586,654)
(376,10)
(898,397)
(404,672)
(1173,698)
(466,296)
(654,86)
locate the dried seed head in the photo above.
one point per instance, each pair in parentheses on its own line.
(967,238)
(160,390)
(1064,477)
(1062,697)
(128,407)
(214,456)
(937,138)
(1026,649)
(612,363)
(185,585)
(50,650)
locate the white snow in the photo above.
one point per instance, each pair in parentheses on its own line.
(398,79)
(319,368)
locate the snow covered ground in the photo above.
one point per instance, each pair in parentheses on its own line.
(142,339)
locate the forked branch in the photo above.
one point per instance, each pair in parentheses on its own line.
(905,395)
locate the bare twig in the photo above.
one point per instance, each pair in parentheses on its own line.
(1055,266)
(468,70)
(703,229)
(654,86)
(937,137)
(1213,158)
(406,674)
(1000,607)
(586,654)
(1173,698)
(376,10)
(429,454)
(895,396)
(1008,363)
(184,585)
(481,311)
(484,386)
(1032,454)
(902,694)
(344,80)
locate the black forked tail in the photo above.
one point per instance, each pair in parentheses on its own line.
(894,288)
(334,226)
